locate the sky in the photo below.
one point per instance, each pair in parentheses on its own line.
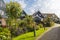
(44,6)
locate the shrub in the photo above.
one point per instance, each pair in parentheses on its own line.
(37,27)
(5,34)
(40,25)
(48,22)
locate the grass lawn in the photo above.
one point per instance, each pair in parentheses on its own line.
(30,35)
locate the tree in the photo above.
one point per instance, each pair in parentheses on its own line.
(31,24)
(28,25)
(13,11)
(5,34)
(47,22)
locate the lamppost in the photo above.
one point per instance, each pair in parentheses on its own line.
(34,29)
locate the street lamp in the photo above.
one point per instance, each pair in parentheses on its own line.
(34,29)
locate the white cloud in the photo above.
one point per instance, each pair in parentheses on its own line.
(55,4)
(52,6)
(32,10)
(23,4)
(35,0)
(43,6)
(36,6)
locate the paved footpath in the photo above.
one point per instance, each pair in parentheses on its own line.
(52,34)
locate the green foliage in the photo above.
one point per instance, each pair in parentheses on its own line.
(14,27)
(40,25)
(27,24)
(17,27)
(30,36)
(13,9)
(52,23)
(5,34)
(48,22)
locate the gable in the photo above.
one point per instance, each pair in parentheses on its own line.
(23,13)
(38,14)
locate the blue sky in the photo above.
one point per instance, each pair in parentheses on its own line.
(45,6)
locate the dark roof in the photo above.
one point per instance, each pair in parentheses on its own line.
(23,12)
(39,14)
(50,14)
